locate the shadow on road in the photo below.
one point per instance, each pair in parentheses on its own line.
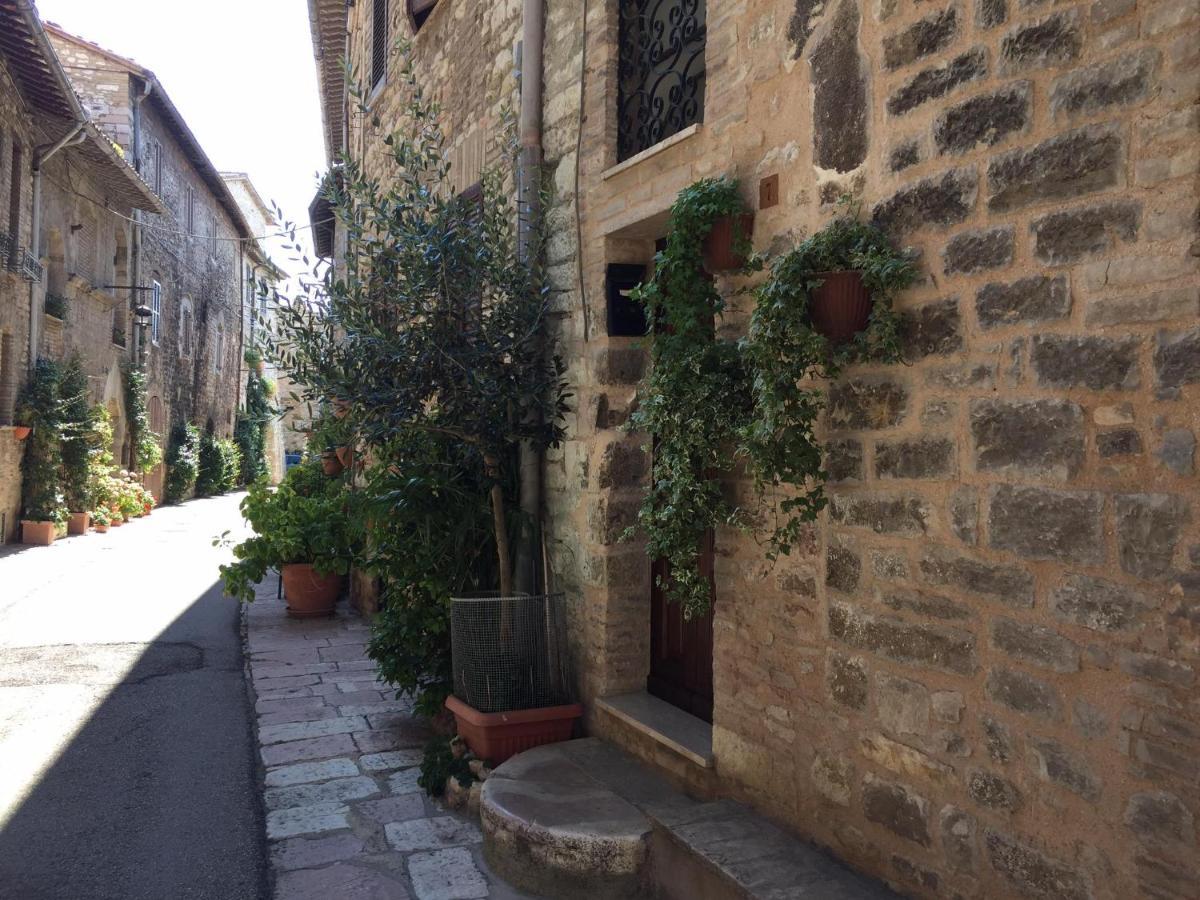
(156,795)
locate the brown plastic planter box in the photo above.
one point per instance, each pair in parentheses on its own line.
(39,534)
(841,306)
(497,736)
(720,253)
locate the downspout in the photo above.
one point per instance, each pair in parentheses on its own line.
(529,187)
(135,241)
(41,156)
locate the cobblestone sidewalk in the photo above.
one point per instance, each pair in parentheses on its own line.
(344,815)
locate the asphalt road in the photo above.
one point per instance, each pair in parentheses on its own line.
(127,760)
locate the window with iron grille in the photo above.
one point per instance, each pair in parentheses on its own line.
(660,71)
(379,42)
(419,10)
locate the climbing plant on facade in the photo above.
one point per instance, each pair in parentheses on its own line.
(761,396)
(146,447)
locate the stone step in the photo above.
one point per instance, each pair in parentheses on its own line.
(584,819)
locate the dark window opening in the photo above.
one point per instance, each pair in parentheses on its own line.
(379,42)
(660,71)
(625,316)
(419,11)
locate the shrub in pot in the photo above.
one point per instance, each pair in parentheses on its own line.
(101,520)
(77,445)
(183,452)
(435,328)
(43,503)
(304,529)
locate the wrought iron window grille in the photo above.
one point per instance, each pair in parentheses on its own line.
(661,71)
(26,265)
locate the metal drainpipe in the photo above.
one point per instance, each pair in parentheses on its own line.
(41,156)
(529,171)
(137,352)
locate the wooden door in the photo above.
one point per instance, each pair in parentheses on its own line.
(681,652)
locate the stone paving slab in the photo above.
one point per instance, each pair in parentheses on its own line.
(345,816)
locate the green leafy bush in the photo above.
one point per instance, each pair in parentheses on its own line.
(183,463)
(307,519)
(39,406)
(231,465)
(210,473)
(250,431)
(76,436)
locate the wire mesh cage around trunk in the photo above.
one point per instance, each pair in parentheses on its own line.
(509,653)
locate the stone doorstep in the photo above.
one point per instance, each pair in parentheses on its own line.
(663,723)
(584,818)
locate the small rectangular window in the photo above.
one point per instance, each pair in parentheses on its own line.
(156,161)
(190,208)
(155,311)
(379,42)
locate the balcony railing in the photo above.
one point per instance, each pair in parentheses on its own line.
(25,264)
(56,305)
(661,71)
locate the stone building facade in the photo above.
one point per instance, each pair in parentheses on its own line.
(977,677)
(188,264)
(64,261)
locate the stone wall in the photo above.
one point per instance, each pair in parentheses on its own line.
(993,631)
(976,677)
(15,126)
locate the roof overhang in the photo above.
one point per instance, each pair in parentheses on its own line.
(320,216)
(34,65)
(123,187)
(327,20)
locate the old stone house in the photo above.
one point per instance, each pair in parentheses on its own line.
(188,265)
(70,197)
(261,278)
(978,675)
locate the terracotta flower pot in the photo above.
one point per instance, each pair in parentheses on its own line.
(20,432)
(37,534)
(78,523)
(497,736)
(720,254)
(309,594)
(117,522)
(149,507)
(841,307)
(330,464)
(345,456)
(101,529)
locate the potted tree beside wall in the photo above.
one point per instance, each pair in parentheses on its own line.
(434,329)
(44,510)
(77,436)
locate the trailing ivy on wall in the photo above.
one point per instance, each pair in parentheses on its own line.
(713,405)
(147,451)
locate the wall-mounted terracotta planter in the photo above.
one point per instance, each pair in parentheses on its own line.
(78,523)
(20,432)
(309,594)
(330,464)
(345,456)
(497,736)
(37,534)
(720,254)
(841,307)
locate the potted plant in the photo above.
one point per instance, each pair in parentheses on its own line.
(43,504)
(301,528)
(20,432)
(77,445)
(446,292)
(727,244)
(849,272)
(100,520)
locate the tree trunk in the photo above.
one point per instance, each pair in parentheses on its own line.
(503,551)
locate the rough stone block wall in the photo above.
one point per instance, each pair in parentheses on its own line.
(977,678)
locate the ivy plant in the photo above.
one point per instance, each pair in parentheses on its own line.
(759,398)
(146,444)
(39,406)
